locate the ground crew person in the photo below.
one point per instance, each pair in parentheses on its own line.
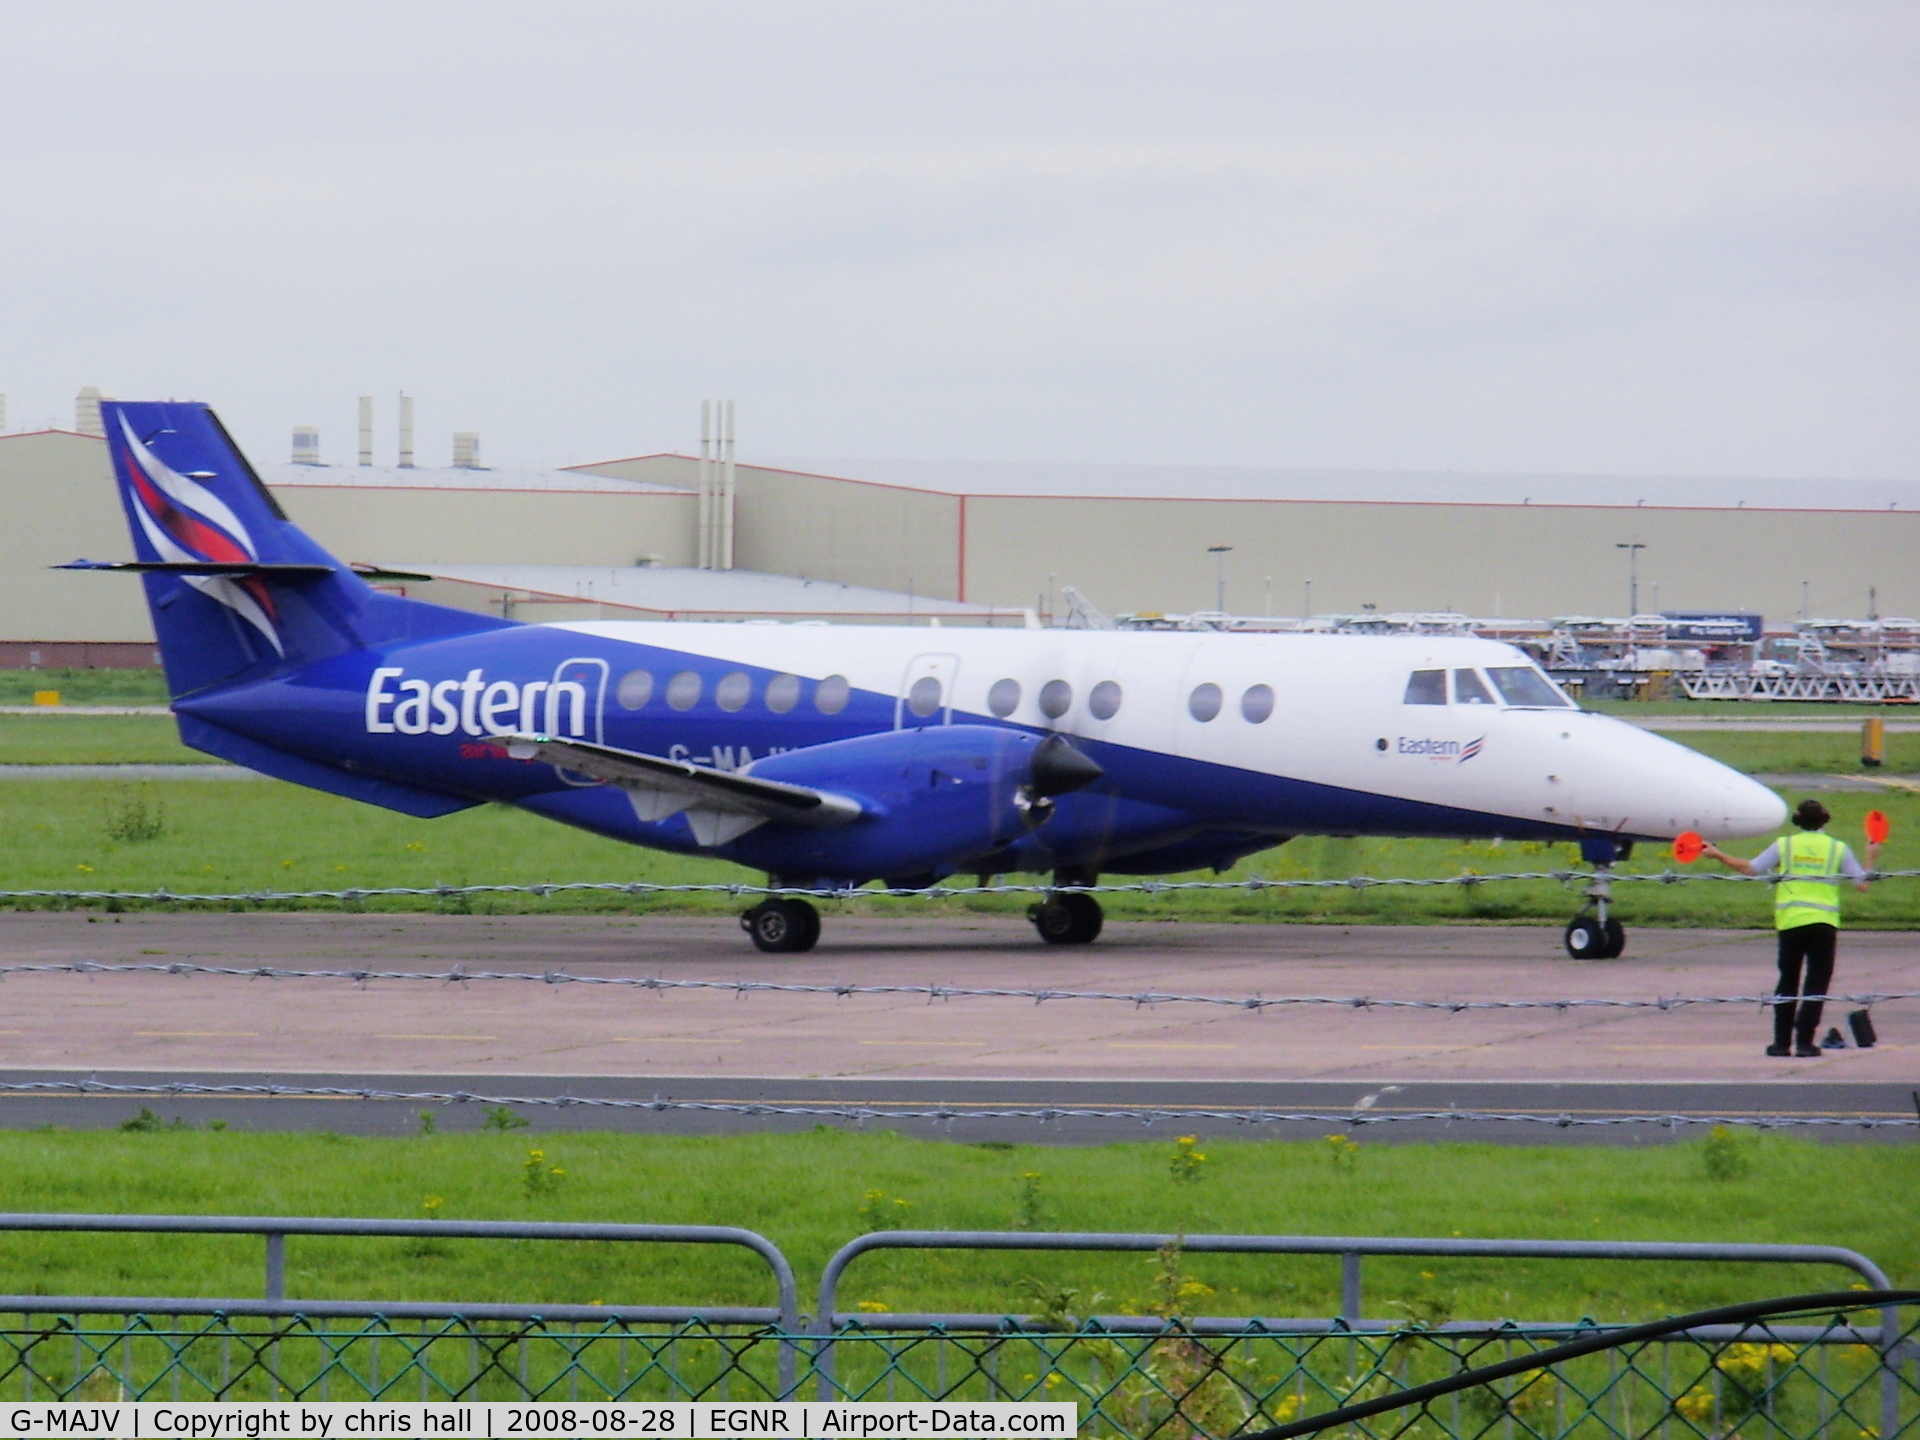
(1806,912)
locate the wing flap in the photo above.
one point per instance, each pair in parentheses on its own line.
(719,803)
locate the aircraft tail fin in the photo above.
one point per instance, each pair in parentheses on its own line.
(238,591)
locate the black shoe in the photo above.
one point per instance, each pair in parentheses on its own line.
(1779,1050)
(1807,1052)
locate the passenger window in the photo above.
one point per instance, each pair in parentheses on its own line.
(924,698)
(1103,701)
(1524,685)
(1257,704)
(1055,697)
(1426,687)
(683,691)
(1004,698)
(635,689)
(1469,689)
(783,693)
(830,695)
(1204,703)
(733,691)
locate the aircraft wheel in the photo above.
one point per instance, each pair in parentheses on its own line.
(782,926)
(1590,938)
(1068,919)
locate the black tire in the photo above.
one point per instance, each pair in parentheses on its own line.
(1616,939)
(1068,919)
(782,927)
(1586,937)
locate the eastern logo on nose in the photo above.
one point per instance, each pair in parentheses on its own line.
(1472,749)
(184,522)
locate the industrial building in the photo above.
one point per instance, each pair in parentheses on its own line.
(707,537)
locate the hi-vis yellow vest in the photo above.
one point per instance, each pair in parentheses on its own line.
(1809,891)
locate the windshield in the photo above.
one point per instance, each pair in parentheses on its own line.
(1467,689)
(1426,687)
(1524,685)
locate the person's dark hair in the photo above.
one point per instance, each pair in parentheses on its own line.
(1810,815)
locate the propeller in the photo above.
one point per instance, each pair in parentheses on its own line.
(1056,769)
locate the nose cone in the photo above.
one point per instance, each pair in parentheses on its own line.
(1637,783)
(1749,808)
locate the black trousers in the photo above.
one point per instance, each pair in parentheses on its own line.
(1796,1020)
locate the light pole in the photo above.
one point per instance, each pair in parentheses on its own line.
(1220,553)
(1633,549)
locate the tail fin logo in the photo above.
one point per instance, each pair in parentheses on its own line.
(184,521)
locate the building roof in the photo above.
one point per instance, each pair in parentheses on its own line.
(393,477)
(1234,482)
(668,591)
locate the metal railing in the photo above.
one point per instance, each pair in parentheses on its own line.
(274,1230)
(1160,1376)
(830,1322)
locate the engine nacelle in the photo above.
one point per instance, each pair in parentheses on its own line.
(934,800)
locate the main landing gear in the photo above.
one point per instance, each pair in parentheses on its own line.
(1593,934)
(1069,919)
(782,926)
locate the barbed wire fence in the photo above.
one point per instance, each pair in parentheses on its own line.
(641,889)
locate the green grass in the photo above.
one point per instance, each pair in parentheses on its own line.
(85,687)
(249,836)
(94,740)
(1820,752)
(807,1193)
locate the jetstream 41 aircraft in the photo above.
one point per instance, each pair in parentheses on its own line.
(830,757)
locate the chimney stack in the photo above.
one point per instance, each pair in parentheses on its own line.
(86,412)
(306,445)
(406,432)
(366,430)
(466,450)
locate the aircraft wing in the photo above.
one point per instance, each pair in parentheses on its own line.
(720,805)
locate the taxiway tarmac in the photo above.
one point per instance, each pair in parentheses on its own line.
(526,1037)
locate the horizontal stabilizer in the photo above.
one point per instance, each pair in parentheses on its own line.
(235,569)
(720,805)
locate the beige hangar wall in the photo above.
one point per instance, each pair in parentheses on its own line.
(58,499)
(398,526)
(1518,560)
(822,527)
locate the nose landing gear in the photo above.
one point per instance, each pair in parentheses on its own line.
(1070,919)
(1593,934)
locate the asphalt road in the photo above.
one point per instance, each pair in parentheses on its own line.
(536,1037)
(969,1106)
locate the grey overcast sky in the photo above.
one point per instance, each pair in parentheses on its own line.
(1667,238)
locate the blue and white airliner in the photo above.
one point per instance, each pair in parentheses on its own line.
(834,756)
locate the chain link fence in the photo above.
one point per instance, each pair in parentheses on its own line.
(1151,1379)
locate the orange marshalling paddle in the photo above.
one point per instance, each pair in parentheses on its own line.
(1688,847)
(1878,827)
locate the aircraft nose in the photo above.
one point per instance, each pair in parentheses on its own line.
(1749,808)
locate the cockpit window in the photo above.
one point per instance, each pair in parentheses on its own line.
(1524,685)
(1426,687)
(1469,689)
